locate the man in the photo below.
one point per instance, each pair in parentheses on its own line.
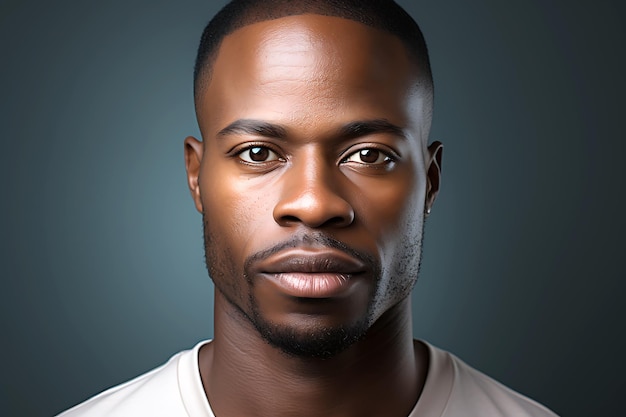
(313,178)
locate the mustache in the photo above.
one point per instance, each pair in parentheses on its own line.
(312,239)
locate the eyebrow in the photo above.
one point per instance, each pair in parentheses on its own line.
(369,127)
(254,127)
(348,131)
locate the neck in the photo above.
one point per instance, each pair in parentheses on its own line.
(382,374)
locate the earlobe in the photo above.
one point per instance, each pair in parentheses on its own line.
(193,160)
(435,151)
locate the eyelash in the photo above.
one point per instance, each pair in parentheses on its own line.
(390,157)
(238,152)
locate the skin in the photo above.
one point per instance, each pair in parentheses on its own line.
(312,184)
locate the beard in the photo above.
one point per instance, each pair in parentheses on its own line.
(320,342)
(305,341)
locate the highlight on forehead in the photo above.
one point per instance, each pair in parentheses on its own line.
(384,15)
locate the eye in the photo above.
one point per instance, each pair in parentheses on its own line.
(369,156)
(258,154)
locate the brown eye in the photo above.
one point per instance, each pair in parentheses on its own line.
(369,156)
(257,154)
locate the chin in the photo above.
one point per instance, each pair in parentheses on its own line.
(311,341)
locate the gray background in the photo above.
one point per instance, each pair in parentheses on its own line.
(101,257)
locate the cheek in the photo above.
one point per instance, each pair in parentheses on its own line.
(236,207)
(388,206)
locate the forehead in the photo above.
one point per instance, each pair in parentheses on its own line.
(293,62)
(311,39)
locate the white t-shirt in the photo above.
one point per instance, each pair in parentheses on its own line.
(452,389)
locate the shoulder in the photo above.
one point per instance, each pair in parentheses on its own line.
(155,393)
(476,390)
(146,394)
(469,392)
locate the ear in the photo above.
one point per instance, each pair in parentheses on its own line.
(193,160)
(435,151)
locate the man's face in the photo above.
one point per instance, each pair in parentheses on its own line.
(312,178)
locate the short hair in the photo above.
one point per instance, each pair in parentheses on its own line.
(385,15)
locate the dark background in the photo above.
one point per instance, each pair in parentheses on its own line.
(101,258)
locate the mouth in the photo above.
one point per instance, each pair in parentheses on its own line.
(304,273)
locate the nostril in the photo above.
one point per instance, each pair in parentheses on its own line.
(289,219)
(340,221)
(334,221)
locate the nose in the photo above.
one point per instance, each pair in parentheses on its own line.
(311,196)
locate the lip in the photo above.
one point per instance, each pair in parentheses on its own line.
(307,273)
